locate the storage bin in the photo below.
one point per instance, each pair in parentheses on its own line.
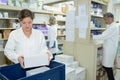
(15,72)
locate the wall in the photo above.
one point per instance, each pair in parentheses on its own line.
(114,7)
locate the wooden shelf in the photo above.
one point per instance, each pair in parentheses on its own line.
(7,7)
(7,28)
(55,2)
(61,35)
(60,20)
(38,23)
(3,39)
(60,28)
(9,18)
(100,2)
(99,16)
(60,42)
(59,13)
(15,8)
(98,28)
(42,11)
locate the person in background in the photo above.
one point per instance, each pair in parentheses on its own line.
(25,40)
(110,42)
(52,36)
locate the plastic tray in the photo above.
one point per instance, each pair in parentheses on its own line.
(15,72)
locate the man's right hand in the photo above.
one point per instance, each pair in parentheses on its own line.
(21,61)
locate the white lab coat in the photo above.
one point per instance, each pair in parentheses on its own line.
(19,45)
(110,42)
(52,36)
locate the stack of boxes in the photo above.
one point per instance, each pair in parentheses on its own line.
(73,70)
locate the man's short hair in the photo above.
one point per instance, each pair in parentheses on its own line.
(108,15)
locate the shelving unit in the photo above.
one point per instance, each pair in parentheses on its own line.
(86,50)
(60,17)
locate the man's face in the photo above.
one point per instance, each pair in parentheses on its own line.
(108,20)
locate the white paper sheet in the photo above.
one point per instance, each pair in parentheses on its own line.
(70,26)
(83,21)
(82,9)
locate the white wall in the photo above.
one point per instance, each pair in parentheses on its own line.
(114,7)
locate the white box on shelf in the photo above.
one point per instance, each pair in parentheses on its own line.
(5,14)
(80,73)
(35,60)
(70,73)
(64,58)
(75,64)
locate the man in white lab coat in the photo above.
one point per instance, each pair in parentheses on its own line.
(110,42)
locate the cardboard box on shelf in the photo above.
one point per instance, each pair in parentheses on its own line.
(64,8)
(6,33)
(64,58)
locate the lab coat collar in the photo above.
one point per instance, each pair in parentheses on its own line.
(24,34)
(109,25)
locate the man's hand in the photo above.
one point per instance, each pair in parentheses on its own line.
(21,61)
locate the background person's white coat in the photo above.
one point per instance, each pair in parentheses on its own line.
(52,36)
(110,42)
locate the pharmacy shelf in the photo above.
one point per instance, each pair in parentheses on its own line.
(38,23)
(99,16)
(7,28)
(59,13)
(98,28)
(7,7)
(60,42)
(99,1)
(42,11)
(15,8)
(9,18)
(61,28)
(3,39)
(60,35)
(51,2)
